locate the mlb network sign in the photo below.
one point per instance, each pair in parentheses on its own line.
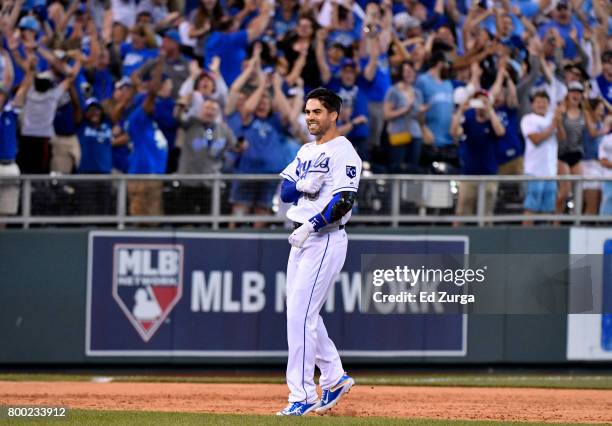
(223,294)
(147,284)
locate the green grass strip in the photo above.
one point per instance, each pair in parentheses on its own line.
(93,417)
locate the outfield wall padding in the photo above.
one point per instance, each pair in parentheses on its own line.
(43,298)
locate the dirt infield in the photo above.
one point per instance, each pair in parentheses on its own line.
(507,404)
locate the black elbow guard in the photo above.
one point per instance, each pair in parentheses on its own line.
(342,205)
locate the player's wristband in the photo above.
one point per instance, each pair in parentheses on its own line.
(317,221)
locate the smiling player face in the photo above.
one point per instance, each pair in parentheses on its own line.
(318,119)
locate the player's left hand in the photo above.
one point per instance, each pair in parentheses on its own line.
(299,236)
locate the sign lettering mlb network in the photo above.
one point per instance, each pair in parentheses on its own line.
(223,294)
(147,283)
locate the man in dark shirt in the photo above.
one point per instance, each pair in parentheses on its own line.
(65,148)
(479,129)
(95,138)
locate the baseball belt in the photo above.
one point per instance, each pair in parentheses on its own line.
(296,225)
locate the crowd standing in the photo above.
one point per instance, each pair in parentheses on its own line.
(205,86)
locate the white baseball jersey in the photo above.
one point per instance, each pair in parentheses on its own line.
(312,269)
(342,167)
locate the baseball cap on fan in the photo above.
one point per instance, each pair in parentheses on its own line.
(347,62)
(91,102)
(173,35)
(403,22)
(476,101)
(29,23)
(575,86)
(45,75)
(125,81)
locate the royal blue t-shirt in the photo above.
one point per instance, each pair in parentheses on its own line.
(375,90)
(570,51)
(590,144)
(234,122)
(42,64)
(281,26)
(439,95)
(605,88)
(132,58)
(343,37)
(355,98)
(335,82)
(510,145)
(96,148)
(8,132)
(149,145)
(121,158)
(164,117)
(231,49)
(121,153)
(102,84)
(479,146)
(265,152)
(64,122)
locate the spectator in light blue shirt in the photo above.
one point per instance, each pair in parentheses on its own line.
(566,24)
(264,124)
(230,44)
(437,92)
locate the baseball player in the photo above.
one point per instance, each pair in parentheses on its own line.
(322,183)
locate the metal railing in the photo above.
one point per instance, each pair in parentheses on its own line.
(384,200)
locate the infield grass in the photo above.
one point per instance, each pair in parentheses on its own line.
(562,381)
(92,417)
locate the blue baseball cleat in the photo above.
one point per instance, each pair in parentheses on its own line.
(298,409)
(332,395)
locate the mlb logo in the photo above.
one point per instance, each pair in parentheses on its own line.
(147,283)
(351,171)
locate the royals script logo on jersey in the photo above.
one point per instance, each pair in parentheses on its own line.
(320,164)
(147,283)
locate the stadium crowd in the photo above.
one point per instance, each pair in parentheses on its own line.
(162,86)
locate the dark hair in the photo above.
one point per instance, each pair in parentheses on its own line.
(329,99)
(342,12)
(539,94)
(201,14)
(42,85)
(310,17)
(594,103)
(202,76)
(223,24)
(399,71)
(436,57)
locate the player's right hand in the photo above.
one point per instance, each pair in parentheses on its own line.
(311,184)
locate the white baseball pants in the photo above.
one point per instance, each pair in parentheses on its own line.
(311,271)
